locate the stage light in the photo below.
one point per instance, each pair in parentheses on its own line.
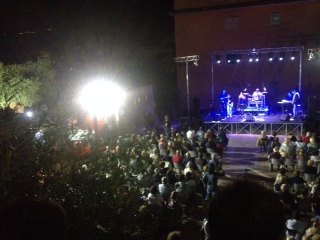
(270,55)
(257,57)
(250,57)
(294,55)
(238,58)
(311,56)
(229,57)
(218,58)
(281,57)
(196,63)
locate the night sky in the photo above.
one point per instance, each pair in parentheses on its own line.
(87,36)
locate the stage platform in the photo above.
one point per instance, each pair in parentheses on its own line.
(254,124)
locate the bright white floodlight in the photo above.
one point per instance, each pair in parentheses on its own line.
(102,98)
(29,114)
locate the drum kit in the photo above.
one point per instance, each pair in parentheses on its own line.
(255,101)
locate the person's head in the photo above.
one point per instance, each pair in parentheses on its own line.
(257,90)
(283,170)
(315,222)
(164,180)
(32,218)
(162,164)
(154,190)
(181,178)
(246,210)
(174,195)
(284,188)
(310,163)
(296,173)
(279,178)
(176,235)
(188,175)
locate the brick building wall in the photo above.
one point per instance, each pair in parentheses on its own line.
(206,26)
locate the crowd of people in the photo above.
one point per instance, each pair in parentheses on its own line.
(175,169)
(297,184)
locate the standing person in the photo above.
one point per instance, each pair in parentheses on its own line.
(242,103)
(167,125)
(210,181)
(229,106)
(295,101)
(200,134)
(223,103)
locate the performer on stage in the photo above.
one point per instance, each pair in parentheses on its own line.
(223,103)
(242,103)
(229,106)
(295,101)
(242,99)
(257,96)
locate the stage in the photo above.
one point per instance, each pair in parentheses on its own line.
(254,122)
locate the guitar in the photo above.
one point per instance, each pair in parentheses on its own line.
(230,103)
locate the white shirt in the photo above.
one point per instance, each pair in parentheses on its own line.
(191,134)
(200,135)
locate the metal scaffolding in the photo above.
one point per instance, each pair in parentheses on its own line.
(258,51)
(186,60)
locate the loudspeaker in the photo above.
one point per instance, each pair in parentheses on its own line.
(216,117)
(284,117)
(249,118)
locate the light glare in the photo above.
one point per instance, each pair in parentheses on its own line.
(102,98)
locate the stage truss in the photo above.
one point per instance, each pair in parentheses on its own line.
(282,128)
(257,51)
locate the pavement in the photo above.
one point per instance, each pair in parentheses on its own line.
(243,158)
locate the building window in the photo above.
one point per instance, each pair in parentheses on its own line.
(232,23)
(275,19)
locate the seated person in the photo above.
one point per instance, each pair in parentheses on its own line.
(275,155)
(182,189)
(286,197)
(295,226)
(154,197)
(309,168)
(262,141)
(296,178)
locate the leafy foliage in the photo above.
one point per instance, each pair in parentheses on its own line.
(25,84)
(101,200)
